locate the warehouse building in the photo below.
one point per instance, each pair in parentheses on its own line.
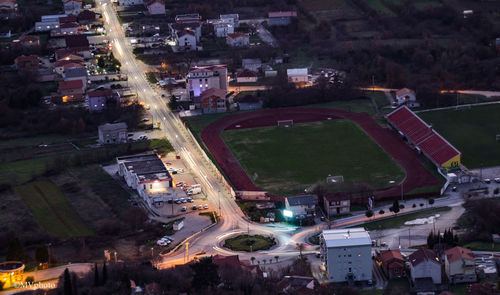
(424,138)
(346,255)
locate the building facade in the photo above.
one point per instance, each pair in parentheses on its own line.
(346,255)
(200,79)
(301,205)
(112,133)
(425,264)
(459,265)
(337,204)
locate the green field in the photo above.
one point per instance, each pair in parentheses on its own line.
(287,160)
(326,4)
(22,171)
(398,221)
(51,210)
(471,131)
(249,243)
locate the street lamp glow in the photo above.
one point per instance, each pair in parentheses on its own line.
(287,213)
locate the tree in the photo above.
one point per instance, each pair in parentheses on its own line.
(381,211)
(252,259)
(369,213)
(16,250)
(68,289)
(42,254)
(395,206)
(205,274)
(134,216)
(431,201)
(264,260)
(104,273)
(173,104)
(96,275)
(276,257)
(100,62)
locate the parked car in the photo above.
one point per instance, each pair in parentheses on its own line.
(487,180)
(200,207)
(184,201)
(167,163)
(205,206)
(161,243)
(183,209)
(180,184)
(170,201)
(497,180)
(194,207)
(190,200)
(177,201)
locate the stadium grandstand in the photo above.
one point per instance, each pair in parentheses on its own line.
(424,139)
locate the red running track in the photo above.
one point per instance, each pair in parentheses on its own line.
(416,174)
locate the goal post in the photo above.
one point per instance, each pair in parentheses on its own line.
(285,123)
(335,179)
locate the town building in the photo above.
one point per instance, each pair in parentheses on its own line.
(239,267)
(423,138)
(460,265)
(188,18)
(65,29)
(424,266)
(98,100)
(86,17)
(194,27)
(393,263)
(252,64)
(238,40)
(203,78)
(8,7)
(337,204)
(66,54)
(246,76)
(29,41)
(232,18)
(62,65)
(248,102)
(130,2)
(297,285)
(213,100)
(27,64)
(67,19)
(186,40)
(155,7)
(72,6)
(346,255)
(76,73)
(115,133)
(70,91)
(281,18)
(406,96)
(78,44)
(300,206)
(297,75)
(147,174)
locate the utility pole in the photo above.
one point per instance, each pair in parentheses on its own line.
(402,194)
(187,252)
(409,238)
(219,202)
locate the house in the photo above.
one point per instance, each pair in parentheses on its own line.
(424,264)
(238,40)
(248,102)
(78,44)
(201,78)
(188,18)
(281,18)
(145,173)
(72,6)
(29,41)
(130,2)
(233,18)
(233,263)
(222,28)
(112,133)
(66,29)
(393,263)
(8,7)
(26,64)
(71,91)
(194,27)
(86,17)
(297,284)
(246,76)
(346,255)
(155,7)
(66,54)
(62,65)
(459,265)
(406,96)
(76,73)
(48,22)
(97,100)
(301,205)
(252,64)
(186,40)
(336,204)
(67,19)
(213,100)
(297,75)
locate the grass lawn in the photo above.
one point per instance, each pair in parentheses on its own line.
(398,221)
(380,98)
(312,152)
(51,210)
(326,4)
(379,6)
(249,243)
(471,131)
(354,105)
(482,246)
(22,171)
(425,189)
(198,123)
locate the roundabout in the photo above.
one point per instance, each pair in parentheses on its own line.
(250,243)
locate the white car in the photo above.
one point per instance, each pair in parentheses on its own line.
(205,206)
(497,180)
(163,242)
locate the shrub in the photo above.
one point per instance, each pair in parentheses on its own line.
(414,206)
(381,212)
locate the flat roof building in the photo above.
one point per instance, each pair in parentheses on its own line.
(346,254)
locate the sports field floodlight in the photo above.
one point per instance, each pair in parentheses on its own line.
(287,213)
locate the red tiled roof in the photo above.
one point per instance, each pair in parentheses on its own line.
(404,91)
(30,38)
(149,2)
(213,91)
(73,84)
(68,25)
(340,196)
(100,93)
(282,14)
(25,58)
(67,19)
(236,35)
(422,135)
(457,252)
(422,255)
(77,41)
(247,73)
(86,15)
(386,255)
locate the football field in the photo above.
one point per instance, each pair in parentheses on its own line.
(288,160)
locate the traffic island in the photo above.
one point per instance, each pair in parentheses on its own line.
(250,243)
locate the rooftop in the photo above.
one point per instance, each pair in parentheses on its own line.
(251,61)
(75,72)
(100,93)
(404,91)
(71,84)
(213,92)
(386,255)
(296,72)
(247,73)
(237,35)
(301,200)
(422,255)
(147,167)
(77,41)
(357,236)
(457,252)
(282,14)
(112,127)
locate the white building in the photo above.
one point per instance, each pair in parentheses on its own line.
(186,40)
(406,96)
(112,133)
(72,6)
(252,64)
(346,255)
(130,2)
(188,18)
(147,174)
(233,18)
(297,75)
(460,265)
(203,78)
(222,29)
(238,40)
(155,7)
(49,22)
(424,264)
(300,205)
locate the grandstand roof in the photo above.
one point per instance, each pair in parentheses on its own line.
(422,135)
